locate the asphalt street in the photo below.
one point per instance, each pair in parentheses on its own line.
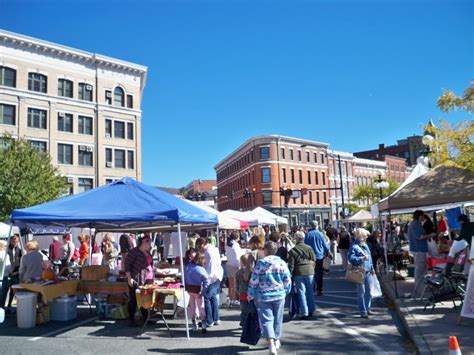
(335,328)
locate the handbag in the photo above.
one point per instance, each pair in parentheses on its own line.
(251,331)
(326,264)
(355,274)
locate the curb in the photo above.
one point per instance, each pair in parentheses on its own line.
(408,320)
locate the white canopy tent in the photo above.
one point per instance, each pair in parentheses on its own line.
(251,218)
(361,216)
(224,221)
(265,213)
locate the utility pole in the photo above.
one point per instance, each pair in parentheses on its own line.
(341,187)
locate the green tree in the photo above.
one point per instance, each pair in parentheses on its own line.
(368,194)
(452,144)
(27,176)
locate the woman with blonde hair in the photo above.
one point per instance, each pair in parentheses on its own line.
(31,264)
(359,255)
(110,252)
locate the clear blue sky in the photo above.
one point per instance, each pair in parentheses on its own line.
(350,73)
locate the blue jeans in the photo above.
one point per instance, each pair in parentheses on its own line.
(364,299)
(305,290)
(211,302)
(270,316)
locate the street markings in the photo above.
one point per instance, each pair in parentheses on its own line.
(69,327)
(338,304)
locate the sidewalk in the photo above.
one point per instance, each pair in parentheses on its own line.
(429,331)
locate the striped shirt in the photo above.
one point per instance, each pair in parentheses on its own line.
(136,264)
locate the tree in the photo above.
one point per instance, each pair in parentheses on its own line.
(27,176)
(369,194)
(452,144)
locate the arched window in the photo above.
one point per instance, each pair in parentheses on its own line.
(7,77)
(119,97)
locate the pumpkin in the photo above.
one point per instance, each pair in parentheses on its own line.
(48,275)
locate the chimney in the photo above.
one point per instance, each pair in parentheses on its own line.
(381,146)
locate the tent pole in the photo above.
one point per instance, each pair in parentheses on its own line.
(384,242)
(183,281)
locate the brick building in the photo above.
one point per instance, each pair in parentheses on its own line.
(264,164)
(345,171)
(409,148)
(366,171)
(201,190)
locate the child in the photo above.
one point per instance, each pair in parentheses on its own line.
(197,282)
(242,287)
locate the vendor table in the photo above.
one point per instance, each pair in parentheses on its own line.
(153,300)
(50,291)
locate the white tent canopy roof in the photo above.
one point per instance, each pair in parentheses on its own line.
(251,218)
(361,216)
(224,221)
(265,213)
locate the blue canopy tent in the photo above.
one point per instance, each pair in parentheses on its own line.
(121,205)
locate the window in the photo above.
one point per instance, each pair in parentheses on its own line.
(292,173)
(283,153)
(266,178)
(315,156)
(39,146)
(36,118)
(37,82)
(331,168)
(283,172)
(291,154)
(84,184)
(322,158)
(108,97)
(343,168)
(325,200)
(108,158)
(119,158)
(85,125)
(307,157)
(85,92)
(300,176)
(65,122)
(317,197)
(85,157)
(119,129)
(119,97)
(349,169)
(264,152)
(109,181)
(129,101)
(65,87)
(323,177)
(299,155)
(130,160)
(108,128)
(316,178)
(310,194)
(333,192)
(267,197)
(130,130)
(65,154)
(309,177)
(7,114)
(7,77)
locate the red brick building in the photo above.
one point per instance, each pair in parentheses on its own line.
(263,165)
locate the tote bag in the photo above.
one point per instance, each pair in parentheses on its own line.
(375,289)
(251,331)
(355,274)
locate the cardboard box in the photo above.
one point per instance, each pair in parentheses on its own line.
(42,314)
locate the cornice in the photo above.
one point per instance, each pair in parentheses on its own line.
(69,53)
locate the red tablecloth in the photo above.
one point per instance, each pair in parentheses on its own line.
(432,262)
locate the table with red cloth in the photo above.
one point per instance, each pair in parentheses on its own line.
(431,262)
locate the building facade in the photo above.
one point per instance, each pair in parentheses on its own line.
(83,108)
(201,190)
(254,173)
(366,173)
(341,169)
(409,149)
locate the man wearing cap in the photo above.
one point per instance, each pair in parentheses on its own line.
(315,240)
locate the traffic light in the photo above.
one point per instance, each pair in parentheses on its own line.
(246,193)
(254,191)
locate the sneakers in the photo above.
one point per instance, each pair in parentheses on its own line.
(204,327)
(272,350)
(195,326)
(364,315)
(369,312)
(277,344)
(217,322)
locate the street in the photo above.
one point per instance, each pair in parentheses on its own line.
(335,328)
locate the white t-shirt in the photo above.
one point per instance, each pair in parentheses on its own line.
(213,264)
(233,254)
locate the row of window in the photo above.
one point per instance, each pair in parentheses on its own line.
(309,179)
(236,165)
(334,168)
(37,118)
(265,154)
(267,199)
(39,83)
(114,158)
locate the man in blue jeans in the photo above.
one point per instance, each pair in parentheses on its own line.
(216,273)
(315,240)
(301,262)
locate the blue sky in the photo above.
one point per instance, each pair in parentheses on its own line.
(350,73)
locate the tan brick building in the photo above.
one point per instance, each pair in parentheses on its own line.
(341,166)
(83,108)
(265,164)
